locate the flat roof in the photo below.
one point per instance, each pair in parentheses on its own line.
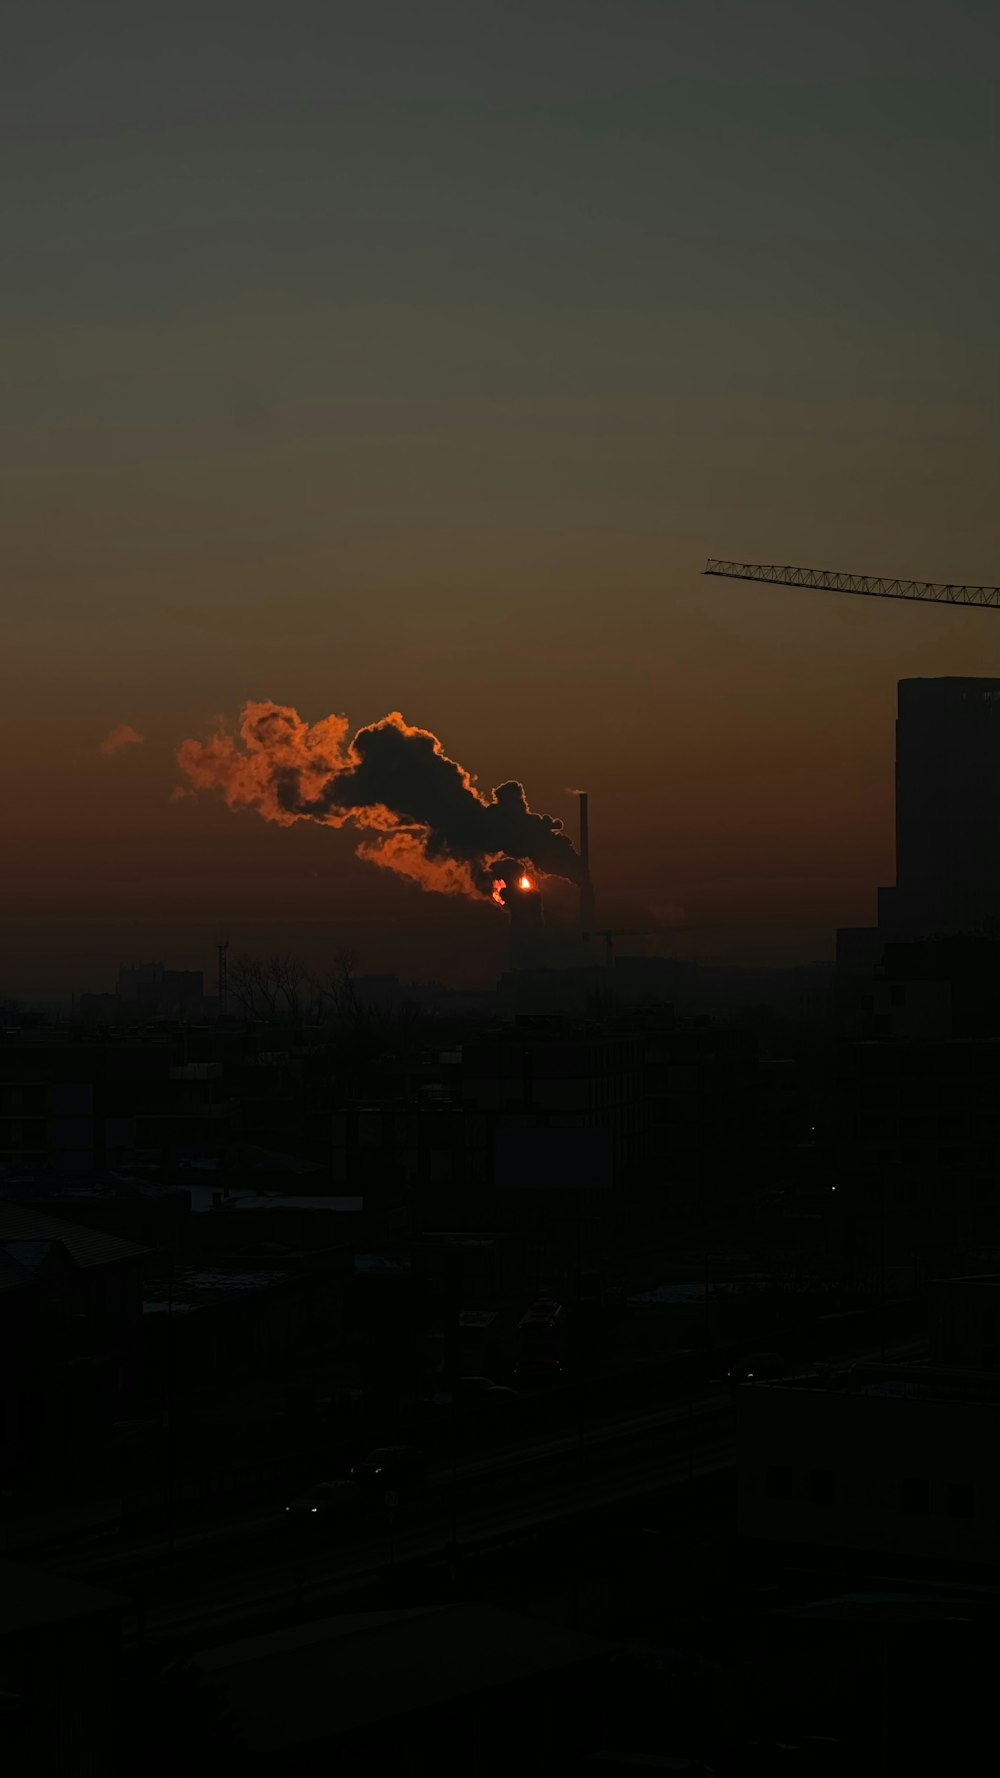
(204,1198)
(86,1246)
(871,1378)
(898,1605)
(958,1278)
(301,1685)
(31,1598)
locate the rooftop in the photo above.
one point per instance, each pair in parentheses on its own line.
(391,1264)
(193,1289)
(39,1183)
(900,1604)
(31,1598)
(895,1382)
(85,1246)
(208,1197)
(299,1685)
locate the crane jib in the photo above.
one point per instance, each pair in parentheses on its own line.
(834,581)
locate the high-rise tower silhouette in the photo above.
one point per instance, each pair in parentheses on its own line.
(947,807)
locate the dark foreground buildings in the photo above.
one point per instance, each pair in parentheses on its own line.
(238,1254)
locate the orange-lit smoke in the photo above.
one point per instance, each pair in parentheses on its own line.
(423,814)
(122,736)
(403,853)
(274,741)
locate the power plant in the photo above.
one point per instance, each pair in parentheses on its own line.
(518,892)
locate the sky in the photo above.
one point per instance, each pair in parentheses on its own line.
(368,355)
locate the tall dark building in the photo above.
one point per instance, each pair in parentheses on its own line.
(947,807)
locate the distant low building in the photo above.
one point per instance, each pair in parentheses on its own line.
(964,1322)
(70,1301)
(80,1105)
(576,1078)
(149,991)
(437,1692)
(918,1148)
(892,1461)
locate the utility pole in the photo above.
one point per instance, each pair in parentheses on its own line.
(886,1764)
(690,1383)
(222,949)
(881,1290)
(454,1308)
(579,1326)
(391,1503)
(171,1529)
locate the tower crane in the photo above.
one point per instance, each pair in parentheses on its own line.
(876,586)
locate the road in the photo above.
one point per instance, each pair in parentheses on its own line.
(108,1564)
(281,1563)
(230,1572)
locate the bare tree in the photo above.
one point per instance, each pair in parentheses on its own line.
(343,991)
(286,977)
(267,988)
(244,980)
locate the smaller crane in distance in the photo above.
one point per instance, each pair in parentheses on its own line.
(877,586)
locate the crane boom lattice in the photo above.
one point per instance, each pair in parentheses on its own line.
(874,586)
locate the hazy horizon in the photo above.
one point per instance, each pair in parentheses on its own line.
(374,358)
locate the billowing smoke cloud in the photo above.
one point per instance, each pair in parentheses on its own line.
(422,813)
(122,736)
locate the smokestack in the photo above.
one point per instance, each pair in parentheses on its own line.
(522,898)
(587,911)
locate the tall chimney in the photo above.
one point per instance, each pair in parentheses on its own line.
(587,912)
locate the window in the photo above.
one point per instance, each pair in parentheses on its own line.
(914,1495)
(779,1482)
(822,1487)
(960,1500)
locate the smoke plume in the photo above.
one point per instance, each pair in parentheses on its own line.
(122,736)
(421,813)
